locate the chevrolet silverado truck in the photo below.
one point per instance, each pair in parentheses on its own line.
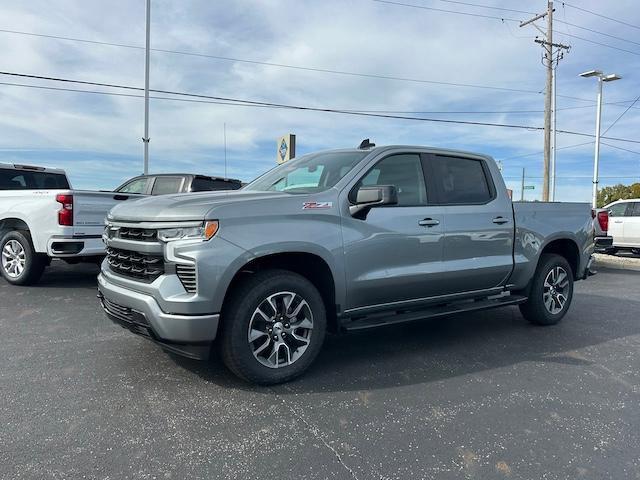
(336,241)
(41,218)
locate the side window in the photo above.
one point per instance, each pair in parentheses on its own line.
(166,185)
(460,180)
(403,172)
(139,185)
(635,211)
(200,184)
(617,210)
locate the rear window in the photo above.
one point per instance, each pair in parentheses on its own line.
(27,180)
(618,210)
(461,180)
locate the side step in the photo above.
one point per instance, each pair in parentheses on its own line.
(391,318)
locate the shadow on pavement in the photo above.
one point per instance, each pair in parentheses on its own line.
(438,349)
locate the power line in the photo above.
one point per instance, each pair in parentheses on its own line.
(594,31)
(488,6)
(594,42)
(237,101)
(288,66)
(621,115)
(468,14)
(600,15)
(541,152)
(620,148)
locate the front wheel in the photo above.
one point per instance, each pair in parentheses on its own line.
(551,291)
(273,327)
(20,263)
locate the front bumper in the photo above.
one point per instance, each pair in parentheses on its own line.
(188,335)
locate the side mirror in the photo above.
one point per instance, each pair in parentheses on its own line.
(368,197)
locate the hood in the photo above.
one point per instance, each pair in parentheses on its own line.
(183,206)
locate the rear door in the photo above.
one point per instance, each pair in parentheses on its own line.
(617,213)
(631,226)
(479,231)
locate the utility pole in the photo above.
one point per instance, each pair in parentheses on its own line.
(146,139)
(554,146)
(548,46)
(522,186)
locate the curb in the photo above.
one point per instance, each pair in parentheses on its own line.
(613,261)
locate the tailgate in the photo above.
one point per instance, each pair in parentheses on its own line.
(91,208)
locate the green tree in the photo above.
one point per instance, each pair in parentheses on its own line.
(618,192)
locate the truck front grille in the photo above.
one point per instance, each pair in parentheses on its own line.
(187,276)
(137,265)
(138,234)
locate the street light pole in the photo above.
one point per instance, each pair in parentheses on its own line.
(596,159)
(146,139)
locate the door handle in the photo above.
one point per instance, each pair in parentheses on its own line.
(500,220)
(617,221)
(429,222)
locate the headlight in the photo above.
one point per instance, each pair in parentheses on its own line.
(202,232)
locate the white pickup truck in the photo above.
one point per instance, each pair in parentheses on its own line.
(42,218)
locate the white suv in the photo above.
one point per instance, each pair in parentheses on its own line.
(624,224)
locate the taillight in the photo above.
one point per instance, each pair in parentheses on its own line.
(65,214)
(603,220)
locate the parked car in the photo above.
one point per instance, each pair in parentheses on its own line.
(603,241)
(337,240)
(165,183)
(624,225)
(42,218)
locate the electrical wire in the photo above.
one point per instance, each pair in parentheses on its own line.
(600,15)
(237,101)
(621,115)
(541,152)
(593,41)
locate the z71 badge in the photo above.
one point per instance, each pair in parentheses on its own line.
(316,205)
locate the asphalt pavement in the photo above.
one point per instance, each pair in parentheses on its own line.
(478,396)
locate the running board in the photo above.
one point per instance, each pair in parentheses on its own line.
(402,316)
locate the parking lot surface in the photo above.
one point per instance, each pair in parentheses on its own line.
(482,395)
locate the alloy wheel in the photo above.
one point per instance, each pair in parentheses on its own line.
(13,258)
(555,291)
(280,329)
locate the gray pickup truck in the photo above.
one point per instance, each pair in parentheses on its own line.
(336,241)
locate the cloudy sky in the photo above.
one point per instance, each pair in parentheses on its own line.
(97,138)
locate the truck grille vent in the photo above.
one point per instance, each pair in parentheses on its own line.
(138,234)
(136,265)
(187,275)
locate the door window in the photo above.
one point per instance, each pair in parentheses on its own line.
(461,180)
(403,172)
(139,185)
(635,210)
(166,185)
(618,210)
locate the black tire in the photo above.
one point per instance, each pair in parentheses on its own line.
(534,309)
(34,263)
(239,312)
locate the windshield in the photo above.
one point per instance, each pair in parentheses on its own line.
(311,173)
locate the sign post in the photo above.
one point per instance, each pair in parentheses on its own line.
(286,148)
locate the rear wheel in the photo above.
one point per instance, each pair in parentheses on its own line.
(273,327)
(19,262)
(551,291)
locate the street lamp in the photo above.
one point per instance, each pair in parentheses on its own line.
(601,78)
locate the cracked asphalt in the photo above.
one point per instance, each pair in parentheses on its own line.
(478,396)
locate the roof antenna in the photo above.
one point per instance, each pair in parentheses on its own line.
(366,144)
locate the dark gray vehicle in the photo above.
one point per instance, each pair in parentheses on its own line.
(335,241)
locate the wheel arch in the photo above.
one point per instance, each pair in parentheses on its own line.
(310,265)
(566,248)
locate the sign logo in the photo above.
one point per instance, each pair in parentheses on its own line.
(283,149)
(316,205)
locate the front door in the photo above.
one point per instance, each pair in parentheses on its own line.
(395,253)
(632,225)
(479,231)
